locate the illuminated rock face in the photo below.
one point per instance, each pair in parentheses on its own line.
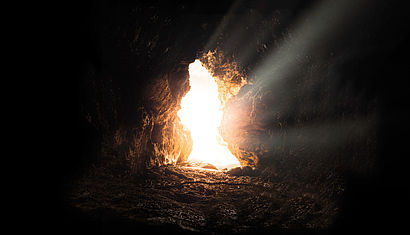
(158,137)
(170,141)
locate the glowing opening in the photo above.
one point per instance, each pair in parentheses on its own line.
(201,113)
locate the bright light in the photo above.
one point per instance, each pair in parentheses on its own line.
(201,113)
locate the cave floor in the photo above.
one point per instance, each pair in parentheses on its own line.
(199,200)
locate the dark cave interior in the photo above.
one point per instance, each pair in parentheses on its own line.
(324,143)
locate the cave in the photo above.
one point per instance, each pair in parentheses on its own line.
(235,117)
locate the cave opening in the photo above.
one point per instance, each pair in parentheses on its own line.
(201,113)
(290,92)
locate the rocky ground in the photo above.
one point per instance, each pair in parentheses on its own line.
(194,199)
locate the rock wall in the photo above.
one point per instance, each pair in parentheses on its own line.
(159,138)
(137,74)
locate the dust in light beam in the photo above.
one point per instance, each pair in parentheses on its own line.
(201,113)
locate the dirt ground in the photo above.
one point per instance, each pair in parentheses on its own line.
(201,200)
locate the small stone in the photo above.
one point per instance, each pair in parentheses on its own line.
(242,171)
(247,170)
(237,171)
(209,166)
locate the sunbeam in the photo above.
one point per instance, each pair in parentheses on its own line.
(315,33)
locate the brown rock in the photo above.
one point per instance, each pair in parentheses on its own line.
(208,166)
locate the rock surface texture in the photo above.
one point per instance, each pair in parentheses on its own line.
(204,201)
